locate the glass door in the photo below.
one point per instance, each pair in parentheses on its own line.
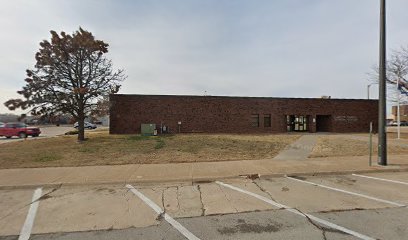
(300,123)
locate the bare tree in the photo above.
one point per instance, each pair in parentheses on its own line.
(102,107)
(70,75)
(397,72)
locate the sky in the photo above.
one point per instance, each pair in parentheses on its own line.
(280,48)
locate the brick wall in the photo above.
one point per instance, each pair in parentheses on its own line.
(403,112)
(212,114)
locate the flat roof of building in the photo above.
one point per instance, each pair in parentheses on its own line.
(214,96)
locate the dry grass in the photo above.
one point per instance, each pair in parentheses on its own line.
(104,149)
(394,135)
(336,146)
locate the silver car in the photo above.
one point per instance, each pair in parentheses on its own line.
(87,125)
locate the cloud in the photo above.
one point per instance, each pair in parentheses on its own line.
(247,48)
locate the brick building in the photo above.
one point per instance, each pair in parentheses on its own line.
(403,112)
(219,114)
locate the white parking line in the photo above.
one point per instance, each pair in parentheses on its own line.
(295,211)
(159,211)
(28,224)
(381,179)
(348,192)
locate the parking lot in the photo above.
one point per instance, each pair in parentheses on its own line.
(46,132)
(367,206)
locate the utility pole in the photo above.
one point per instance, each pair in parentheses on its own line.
(382,135)
(398,111)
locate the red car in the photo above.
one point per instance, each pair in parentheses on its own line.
(18,129)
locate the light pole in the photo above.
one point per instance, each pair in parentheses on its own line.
(382,135)
(398,111)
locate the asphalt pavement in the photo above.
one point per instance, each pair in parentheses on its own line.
(359,206)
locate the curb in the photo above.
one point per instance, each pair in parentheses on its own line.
(200,180)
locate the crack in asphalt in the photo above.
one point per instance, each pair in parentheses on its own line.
(225,195)
(47,195)
(321,228)
(201,200)
(160,216)
(263,190)
(177,197)
(164,206)
(43,197)
(125,195)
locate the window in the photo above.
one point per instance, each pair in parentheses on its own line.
(267,120)
(255,120)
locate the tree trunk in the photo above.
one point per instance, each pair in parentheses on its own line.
(81,129)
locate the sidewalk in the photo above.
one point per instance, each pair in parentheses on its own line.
(190,172)
(298,150)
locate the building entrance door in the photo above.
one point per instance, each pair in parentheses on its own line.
(323,123)
(297,123)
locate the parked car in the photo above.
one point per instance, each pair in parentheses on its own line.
(20,130)
(87,125)
(402,123)
(392,123)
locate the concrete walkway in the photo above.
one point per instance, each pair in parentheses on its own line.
(298,150)
(190,172)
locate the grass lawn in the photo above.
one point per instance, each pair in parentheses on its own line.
(104,149)
(336,146)
(394,135)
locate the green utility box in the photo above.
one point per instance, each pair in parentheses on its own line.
(148,129)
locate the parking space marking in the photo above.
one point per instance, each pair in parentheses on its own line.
(380,179)
(28,224)
(348,192)
(159,211)
(295,211)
